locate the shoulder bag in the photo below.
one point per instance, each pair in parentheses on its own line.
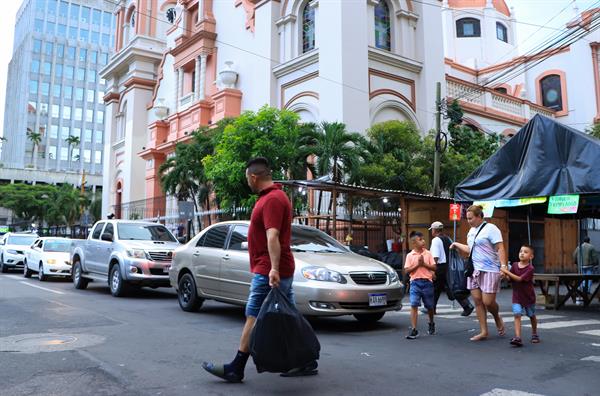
(469,267)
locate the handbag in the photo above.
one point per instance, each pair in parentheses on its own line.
(469,267)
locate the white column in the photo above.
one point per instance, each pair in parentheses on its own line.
(202,83)
(200,16)
(178,84)
(197,92)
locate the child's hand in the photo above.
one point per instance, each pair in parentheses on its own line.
(421,260)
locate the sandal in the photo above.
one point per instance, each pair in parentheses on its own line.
(516,341)
(501,331)
(535,339)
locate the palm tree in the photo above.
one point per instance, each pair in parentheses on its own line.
(183,176)
(66,205)
(72,141)
(36,139)
(338,153)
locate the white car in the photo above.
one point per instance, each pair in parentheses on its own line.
(13,246)
(48,256)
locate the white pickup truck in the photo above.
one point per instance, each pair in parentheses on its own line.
(124,253)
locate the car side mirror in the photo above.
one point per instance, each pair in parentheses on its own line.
(182,239)
(107,237)
(244,246)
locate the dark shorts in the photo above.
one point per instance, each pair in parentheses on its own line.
(421,289)
(259,289)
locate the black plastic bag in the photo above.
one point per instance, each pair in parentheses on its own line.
(282,338)
(456,276)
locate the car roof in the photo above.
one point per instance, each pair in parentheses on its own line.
(54,238)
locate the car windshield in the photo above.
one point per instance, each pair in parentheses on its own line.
(305,239)
(57,246)
(144,232)
(21,240)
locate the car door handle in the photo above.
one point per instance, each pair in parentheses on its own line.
(196,254)
(226,257)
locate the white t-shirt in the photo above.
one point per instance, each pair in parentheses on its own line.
(437,250)
(485,257)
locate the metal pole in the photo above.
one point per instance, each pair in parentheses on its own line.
(528,226)
(438,130)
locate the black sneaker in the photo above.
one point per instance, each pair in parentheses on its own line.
(467,311)
(431,329)
(412,334)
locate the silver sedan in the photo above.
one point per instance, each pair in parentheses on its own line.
(329,280)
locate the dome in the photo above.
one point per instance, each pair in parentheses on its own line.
(499,5)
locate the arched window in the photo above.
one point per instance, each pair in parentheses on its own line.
(132,19)
(171,14)
(382,26)
(468,27)
(501,32)
(501,90)
(308,28)
(550,86)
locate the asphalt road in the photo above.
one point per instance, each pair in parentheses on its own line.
(56,340)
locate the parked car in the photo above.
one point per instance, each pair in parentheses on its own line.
(329,279)
(124,253)
(48,256)
(13,247)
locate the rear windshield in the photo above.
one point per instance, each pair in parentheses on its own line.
(144,232)
(21,240)
(57,246)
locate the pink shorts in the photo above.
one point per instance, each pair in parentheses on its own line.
(487,282)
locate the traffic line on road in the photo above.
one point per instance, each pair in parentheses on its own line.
(591,359)
(42,288)
(508,392)
(566,323)
(591,332)
(525,318)
(594,344)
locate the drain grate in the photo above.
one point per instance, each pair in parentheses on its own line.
(47,342)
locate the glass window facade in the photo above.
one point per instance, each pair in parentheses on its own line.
(552,92)
(47,68)
(79,94)
(74,12)
(54,131)
(45,89)
(308,28)
(468,27)
(35,66)
(37,46)
(69,72)
(63,10)
(68,92)
(58,71)
(66,112)
(33,87)
(383,26)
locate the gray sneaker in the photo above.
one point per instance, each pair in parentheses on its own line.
(412,334)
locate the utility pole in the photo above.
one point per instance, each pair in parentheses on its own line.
(438,131)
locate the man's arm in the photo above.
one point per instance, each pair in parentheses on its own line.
(501,253)
(274,248)
(509,274)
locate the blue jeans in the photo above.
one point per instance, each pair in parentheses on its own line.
(587,284)
(421,289)
(519,310)
(259,289)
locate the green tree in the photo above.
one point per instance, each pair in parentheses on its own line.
(27,202)
(269,132)
(95,208)
(594,130)
(35,138)
(72,142)
(183,175)
(339,152)
(398,160)
(67,205)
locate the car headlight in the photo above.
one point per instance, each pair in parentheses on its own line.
(51,261)
(12,251)
(136,253)
(393,275)
(322,274)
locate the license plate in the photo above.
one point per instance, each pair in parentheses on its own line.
(166,270)
(377,300)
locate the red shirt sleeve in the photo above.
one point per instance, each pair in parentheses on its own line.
(273,214)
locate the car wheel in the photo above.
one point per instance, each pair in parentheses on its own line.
(369,318)
(78,280)
(3,268)
(26,271)
(41,276)
(187,294)
(118,286)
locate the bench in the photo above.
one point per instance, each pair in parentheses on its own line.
(571,282)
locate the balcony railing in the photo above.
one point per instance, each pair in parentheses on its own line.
(488,99)
(186,101)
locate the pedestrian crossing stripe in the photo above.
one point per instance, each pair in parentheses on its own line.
(590,332)
(591,359)
(524,319)
(566,323)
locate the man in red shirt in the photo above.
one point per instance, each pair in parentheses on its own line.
(271,262)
